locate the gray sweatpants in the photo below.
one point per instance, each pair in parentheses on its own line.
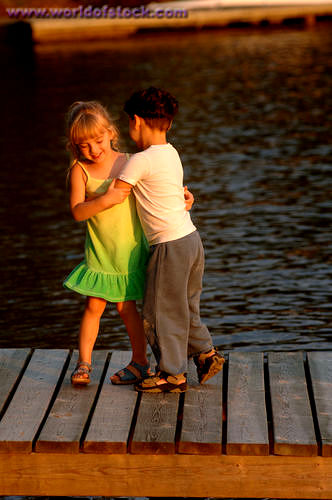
(171,308)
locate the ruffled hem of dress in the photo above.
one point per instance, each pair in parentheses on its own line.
(111,287)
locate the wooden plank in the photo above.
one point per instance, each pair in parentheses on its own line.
(293,427)
(201,431)
(320,366)
(111,422)
(247,431)
(127,475)
(156,424)
(11,364)
(64,426)
(24,415)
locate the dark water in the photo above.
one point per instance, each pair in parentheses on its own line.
(254,133)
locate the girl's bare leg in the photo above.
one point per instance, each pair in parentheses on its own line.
(134,326)
(94,308)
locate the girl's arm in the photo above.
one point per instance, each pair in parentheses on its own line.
(82,209)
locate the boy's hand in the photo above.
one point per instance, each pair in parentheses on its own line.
(114,195)
(188,198)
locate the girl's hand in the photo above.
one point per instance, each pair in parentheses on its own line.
(114,195)
(188,198)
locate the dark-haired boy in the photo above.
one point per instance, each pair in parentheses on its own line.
(175,270)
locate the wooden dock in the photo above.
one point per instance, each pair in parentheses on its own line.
(261,428)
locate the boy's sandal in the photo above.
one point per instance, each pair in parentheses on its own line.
(163,382)
(81,374)
(208,365)
(131,374)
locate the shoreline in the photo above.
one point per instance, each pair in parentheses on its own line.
(47,30)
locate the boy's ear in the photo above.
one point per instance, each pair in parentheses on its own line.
(170,126)
(137,121)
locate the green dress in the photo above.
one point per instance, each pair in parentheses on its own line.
(116,251)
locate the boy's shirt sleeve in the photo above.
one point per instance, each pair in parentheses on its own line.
(136,169)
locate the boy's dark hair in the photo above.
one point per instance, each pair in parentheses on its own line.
(158,107)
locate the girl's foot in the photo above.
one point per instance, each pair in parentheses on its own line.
(208,364)
(163,382)
(131,374)
(81,374)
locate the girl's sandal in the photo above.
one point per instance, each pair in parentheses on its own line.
(81,374)
(131,374)
(208,365)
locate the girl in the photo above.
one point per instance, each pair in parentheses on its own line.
(116,250)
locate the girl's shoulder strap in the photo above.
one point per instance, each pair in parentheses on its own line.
(127,156)
(77,162)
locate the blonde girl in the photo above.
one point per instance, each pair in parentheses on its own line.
(116,250)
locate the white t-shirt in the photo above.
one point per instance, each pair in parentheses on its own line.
(157,176)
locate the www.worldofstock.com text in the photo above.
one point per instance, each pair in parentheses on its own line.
(94,12)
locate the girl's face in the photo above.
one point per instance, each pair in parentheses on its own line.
(96,149)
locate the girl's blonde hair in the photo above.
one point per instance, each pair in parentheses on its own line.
(86,119)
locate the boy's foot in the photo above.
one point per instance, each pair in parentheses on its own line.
(81,374)
(131,374)
(208,365)
(163,382)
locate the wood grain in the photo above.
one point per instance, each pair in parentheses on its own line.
(293,427)
(126,475)
(201,431)
(320,366)
(11,364)
(247,431)
(156,424)
(64,426)
(24,415)
(111,422)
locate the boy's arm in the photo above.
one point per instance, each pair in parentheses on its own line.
(137,168)
(123,185)
(134,170)
(188,198)
(82,209)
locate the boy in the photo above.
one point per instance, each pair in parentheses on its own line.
(175,270)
